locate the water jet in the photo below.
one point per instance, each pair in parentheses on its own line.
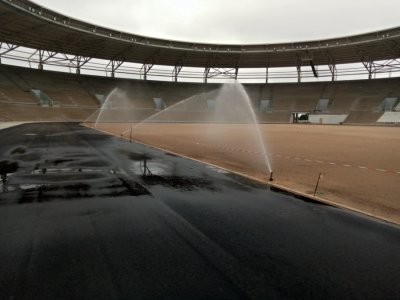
(230,125)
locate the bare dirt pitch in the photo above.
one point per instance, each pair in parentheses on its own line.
(360,164)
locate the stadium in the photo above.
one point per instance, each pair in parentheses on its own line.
(140,167)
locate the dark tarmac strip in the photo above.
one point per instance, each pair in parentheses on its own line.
(84,215)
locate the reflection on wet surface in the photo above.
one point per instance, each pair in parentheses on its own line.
(7,166)
(71,170)
(18,150)
(180,183)
(51,190)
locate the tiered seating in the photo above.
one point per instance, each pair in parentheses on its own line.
(340,104)
(274,117)
(62,88)
(11,112)
(293,97)
(367,103)
(71,97)
(363,117)
(121,115)
(76,102)
(9,92)
(342,96)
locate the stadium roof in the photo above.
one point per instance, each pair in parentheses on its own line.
(27,24)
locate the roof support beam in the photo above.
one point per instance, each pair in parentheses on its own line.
(8,48)
(146,69)
(206,74)
(266,68)
(177,69)
(331,65)
(41,54)
(75,62)
(115,64)
(332,68)
(307,57)
(223,72)
(368,66)
(149,63)
(298,67)
(314,70)
(80,62)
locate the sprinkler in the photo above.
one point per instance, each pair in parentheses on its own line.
(270,176)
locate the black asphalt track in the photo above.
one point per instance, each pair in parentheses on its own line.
(84,215)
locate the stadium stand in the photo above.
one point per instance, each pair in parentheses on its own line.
(10,92)
(76,97)
(362,117)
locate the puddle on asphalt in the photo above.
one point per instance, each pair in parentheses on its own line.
(18,150)
(26,187)
(50,191)
(152,167)
(180,183)
(6,188)
(216,169)
(7,168)
(135,156)
(28,157)
(60,161)
(65,170)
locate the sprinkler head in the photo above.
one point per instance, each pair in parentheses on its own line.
(270,176)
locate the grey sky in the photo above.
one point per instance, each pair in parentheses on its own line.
(233,21)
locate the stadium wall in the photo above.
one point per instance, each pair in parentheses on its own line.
(392,117)
(326,118)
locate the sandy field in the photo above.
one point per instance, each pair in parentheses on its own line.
(360,164)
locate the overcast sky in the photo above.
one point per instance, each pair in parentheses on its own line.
(235,21)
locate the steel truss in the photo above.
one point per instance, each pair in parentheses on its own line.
(226,73)
(304,70)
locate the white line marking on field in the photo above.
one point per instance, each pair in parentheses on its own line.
(345,165)
(381,170)
(306,159)
(398,172)
(332,163)
(288,157)
(319,161)
(361,167)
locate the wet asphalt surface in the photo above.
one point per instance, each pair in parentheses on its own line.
(84,215)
